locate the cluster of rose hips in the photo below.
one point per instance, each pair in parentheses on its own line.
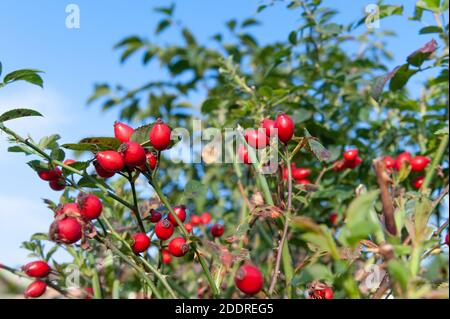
(37,270)
(73,220)
(351,160)
(283,127)
(417,164)
(54,176)
(131,154)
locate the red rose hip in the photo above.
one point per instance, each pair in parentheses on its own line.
(178,247)
(249,279)
(101,171)
(164,229)
(133,154)
(36,289)
(160,136)
(285,127)
(90,206)
(141,242)
(418,163)
(123,132)
(256,138)
(37,269)
(66,231)
(350,155)
(180,211)
(217,230)
(269,127)
(402,159)
(110,161)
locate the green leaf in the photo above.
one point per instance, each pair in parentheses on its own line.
(49,142)
(442,131)
(400,273)
(81,166)
(163,24)
(361,220)
(29,75)
(141,134)
(405,170)
(21,149)
(102,143)
(81,147)
(293,37)
(57,154)
(384,12)
(249,22)
(38,166)
(430,5)
(39,236)
(129,41)
(18,113)
(431,29)
(316,148)
(401,77)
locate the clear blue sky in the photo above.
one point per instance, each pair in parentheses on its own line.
(33,34)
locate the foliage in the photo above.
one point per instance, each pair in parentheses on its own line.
(337,99)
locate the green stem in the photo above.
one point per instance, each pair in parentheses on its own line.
(165,201)
(135,202)
(436,160)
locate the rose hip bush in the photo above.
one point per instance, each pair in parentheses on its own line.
(352,209)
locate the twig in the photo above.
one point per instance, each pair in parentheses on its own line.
(285,229)
(384,180)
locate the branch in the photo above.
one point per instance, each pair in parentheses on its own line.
(384,181)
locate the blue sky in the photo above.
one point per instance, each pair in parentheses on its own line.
(33,34)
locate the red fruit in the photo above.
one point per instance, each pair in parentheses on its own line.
(69,161)
(269,127)
(160,136)
(217,230)
(205,218)
(189,227)
(249,279)
(418,182)
(164,229)
(178,247)
(155,216)
(350,155)
(353,164)
(325,293)
(301,173)
(110,161)
(256,138)
(181,213)
(57,185)
(166,256)
(333,218)
(303,182)
(446,239)
(141,242)
(285,127)
(50,175)
(66,231)
(133,154)
(90,206)
(37,269)
(101,172)
(123,132)
(243,155)
(88,293)
(195,220)
(69,208)
(418,163)
(36,289)
(389,162)
(151,160)
(402,159)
